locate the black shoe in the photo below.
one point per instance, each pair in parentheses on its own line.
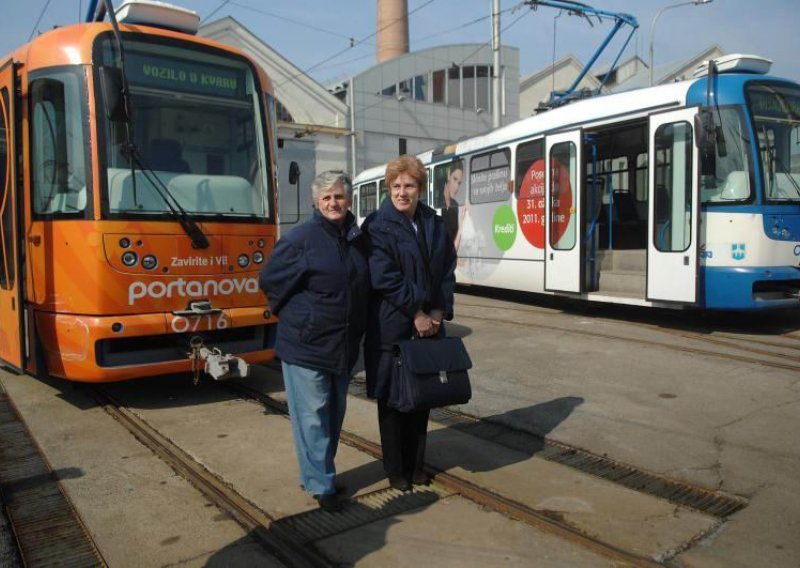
(330,502)
(421,478)
(399,483)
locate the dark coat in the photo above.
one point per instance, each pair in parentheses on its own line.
(408,273)
(317,283)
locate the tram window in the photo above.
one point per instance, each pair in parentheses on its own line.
(530,169)
(7,220)
(672,207)
(423,196)
(447,177)
(383,192)
(198,125)
(489,176)
(367,202)
(563,170)
(641,177)
(58,156)
(725,178)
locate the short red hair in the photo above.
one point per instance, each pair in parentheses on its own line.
(410,165)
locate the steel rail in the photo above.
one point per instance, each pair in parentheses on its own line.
(475,493)
(689,335)
(648,342)
(273,538)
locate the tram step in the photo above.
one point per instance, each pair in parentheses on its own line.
(625,260)
(629,282)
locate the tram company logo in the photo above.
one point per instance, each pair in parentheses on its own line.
(738,251)
(191,288)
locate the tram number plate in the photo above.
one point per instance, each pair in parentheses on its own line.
(183,324)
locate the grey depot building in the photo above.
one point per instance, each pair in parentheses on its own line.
(407,102)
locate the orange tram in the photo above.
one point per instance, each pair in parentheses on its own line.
(137,167)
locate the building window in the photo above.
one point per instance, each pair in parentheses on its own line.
(390,91)
(438,86)
(421,88)
(482,86)
(454,86)
(282,113)
(468,86)
(403,146)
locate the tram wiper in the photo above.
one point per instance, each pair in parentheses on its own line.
(189,226)
(118,108)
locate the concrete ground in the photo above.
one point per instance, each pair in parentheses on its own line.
(718,423)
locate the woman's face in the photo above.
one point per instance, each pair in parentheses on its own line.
(404,193)
(454,183)
(333,204)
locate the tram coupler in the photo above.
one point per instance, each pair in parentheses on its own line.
(221,366)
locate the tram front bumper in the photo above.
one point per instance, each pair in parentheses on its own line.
(118,348)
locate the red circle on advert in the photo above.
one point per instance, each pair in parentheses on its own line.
(530,204)
(561,207)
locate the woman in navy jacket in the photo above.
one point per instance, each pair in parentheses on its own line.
(317,282)
(412,270)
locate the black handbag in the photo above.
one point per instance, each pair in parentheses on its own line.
(429,373)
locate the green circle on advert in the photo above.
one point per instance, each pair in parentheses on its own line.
(504,227)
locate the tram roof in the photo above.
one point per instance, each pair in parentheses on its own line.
(582,112)
(72,45)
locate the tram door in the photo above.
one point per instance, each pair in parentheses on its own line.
(10,306)
(563,212)
(673,222)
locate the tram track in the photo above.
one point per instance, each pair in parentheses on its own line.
(279,541)
(291,539)
(654,343)
(487,497)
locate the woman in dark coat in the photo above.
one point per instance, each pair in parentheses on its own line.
(412,270)
(317,282)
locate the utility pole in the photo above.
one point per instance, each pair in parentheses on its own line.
(496,74)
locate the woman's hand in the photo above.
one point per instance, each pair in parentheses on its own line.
(424,324)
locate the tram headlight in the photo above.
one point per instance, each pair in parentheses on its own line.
(243,261)
(124,242)
(149,262)
(129,258)
(258,257)
(261,243)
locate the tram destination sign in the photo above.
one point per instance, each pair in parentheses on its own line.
(775,104)
(171,74)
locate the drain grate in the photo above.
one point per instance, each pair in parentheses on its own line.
(317,524)
(48,531)
(709,502)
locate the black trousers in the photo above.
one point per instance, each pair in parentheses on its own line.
(403,436)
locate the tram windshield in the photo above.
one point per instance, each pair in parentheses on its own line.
(776,117)
(196,131)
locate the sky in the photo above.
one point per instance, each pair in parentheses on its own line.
(333,39)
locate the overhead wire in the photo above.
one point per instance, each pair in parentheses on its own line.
(291,20)
(351,46)
(471,54)
(215,10)
(39,19)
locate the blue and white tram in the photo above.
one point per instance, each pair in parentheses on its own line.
(683,195)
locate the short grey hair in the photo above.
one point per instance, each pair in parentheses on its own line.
(326,181)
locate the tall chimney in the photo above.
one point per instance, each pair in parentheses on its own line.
(392,29)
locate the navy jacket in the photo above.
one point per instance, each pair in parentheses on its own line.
(408,272)
(317,283)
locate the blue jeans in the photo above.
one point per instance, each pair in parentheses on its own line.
(317,403)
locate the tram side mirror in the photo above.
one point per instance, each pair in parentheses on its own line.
(294,173)
(111,84)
